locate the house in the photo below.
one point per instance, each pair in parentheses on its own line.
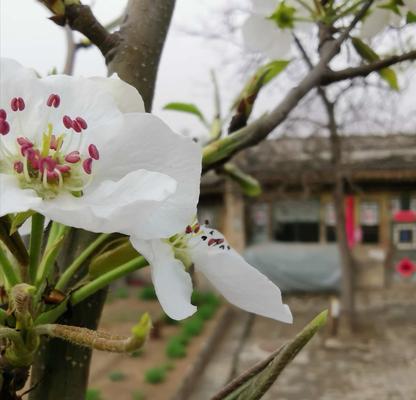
(296,204)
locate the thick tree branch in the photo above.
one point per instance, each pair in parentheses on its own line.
(221,150)
(80,18)
(366,69)
(137,55)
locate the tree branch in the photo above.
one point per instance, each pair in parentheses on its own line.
(80,18)
(364,70)
(137,55)
(221,150)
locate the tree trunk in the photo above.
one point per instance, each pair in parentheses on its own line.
(346,257)
(143,34)
(61,369)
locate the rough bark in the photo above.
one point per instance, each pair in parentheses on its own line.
(142,37)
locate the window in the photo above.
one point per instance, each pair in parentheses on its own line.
(259,222)
(330,228)
(369,222)
(404,236)
(296,221)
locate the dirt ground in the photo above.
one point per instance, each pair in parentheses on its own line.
(119,316)
(379,363)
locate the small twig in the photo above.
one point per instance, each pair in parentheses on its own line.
(366,69)
(71,51)
(247,375)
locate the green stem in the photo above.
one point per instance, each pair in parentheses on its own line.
(8,270)
(90,288)
(77,263)
(55,240)
(105,279)
(3,316)
(35,244)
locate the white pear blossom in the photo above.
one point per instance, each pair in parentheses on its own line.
(84,153)
(269,28)
(410,5)
(206,248)
(378,19)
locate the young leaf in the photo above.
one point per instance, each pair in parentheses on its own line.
(254,383)
(186,108)
(19,219)
(368,54)
(410,18)
(249,185)
(108,260)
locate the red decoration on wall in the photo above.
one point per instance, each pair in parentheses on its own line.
(406,216)
(405,267)
(349,221)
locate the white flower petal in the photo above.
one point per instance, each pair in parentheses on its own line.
(280,48)
(239,282)
(264,7)
(411,5)
(375,22)
(147,143)
(123,206)
(172,283)
(127,97)
(13,199)
(81,97)
(11,70)
(262,35)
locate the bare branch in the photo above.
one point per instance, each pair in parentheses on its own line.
(364,70)
(80,18)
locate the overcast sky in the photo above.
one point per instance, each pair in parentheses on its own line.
(29,37)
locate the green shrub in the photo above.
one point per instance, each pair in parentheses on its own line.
(155,375)
(138,395)
(175,348)
(147,293)
(212,299)
(207,311)
(200,298)
(117,376)
(121,293)
(137,353)
(193,326)
(93,394)
(197,298)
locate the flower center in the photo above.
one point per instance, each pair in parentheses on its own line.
(196,235)
(51,163)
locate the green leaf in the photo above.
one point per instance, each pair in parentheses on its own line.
(253,384)
(390,77)
(19,219)
(249,185)
(368,54)
(410,18)
(186,108)
(264,75)
(284,16)
(113,258)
